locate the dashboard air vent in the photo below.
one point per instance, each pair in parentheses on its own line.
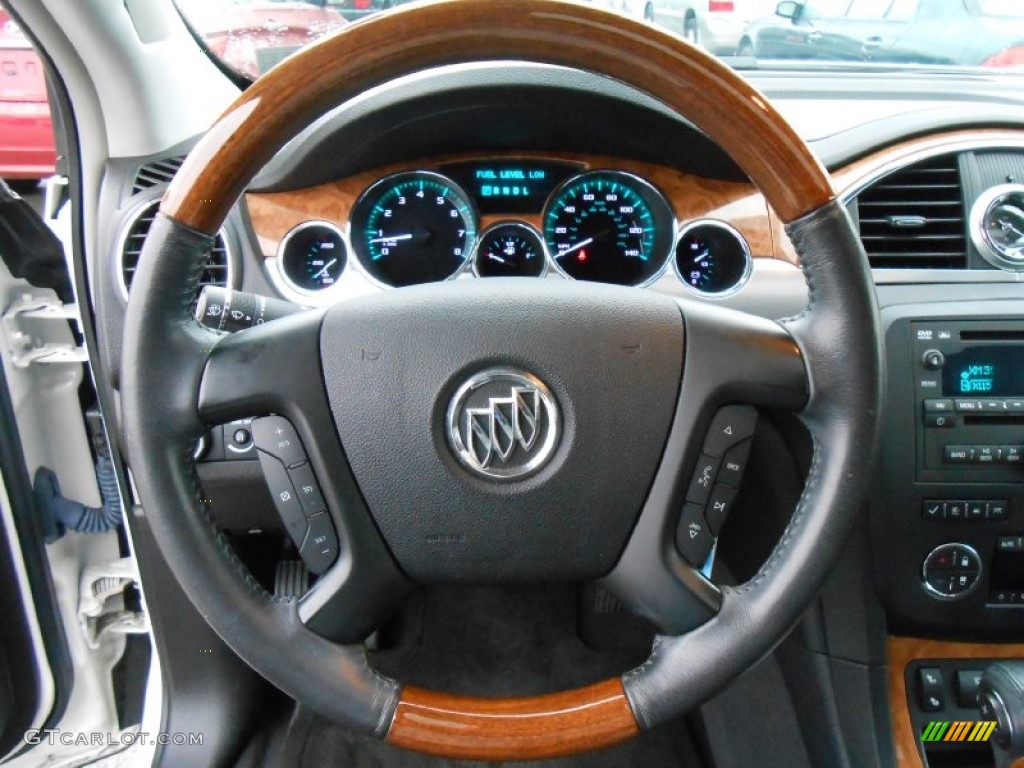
(218,266)
(914,218)
(157,172)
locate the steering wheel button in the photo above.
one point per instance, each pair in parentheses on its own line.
(734,463)
(693,538)
(306,487)
(285,498)
(320,548)
(703,480)
(731,426)
(719,506)
(275,435)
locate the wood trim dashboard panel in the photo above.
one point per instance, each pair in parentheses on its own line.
(902,651)
(273,214)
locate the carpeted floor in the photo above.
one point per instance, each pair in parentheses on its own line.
(496,642)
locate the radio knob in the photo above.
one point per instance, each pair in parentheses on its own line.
(933,360)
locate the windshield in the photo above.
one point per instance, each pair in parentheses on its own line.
(251,36)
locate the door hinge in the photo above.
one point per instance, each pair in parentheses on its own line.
(30,336)
(101,605)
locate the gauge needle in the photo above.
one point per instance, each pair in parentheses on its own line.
(326,268)
(497,258)
(391,238)
(576,247)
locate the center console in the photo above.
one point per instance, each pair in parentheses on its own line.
(948,518)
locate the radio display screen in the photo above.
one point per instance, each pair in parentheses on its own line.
(984,370)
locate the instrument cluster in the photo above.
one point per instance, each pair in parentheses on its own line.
(543,217)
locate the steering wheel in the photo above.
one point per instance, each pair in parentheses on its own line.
(606,395)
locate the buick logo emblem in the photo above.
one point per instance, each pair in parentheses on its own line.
(503,423)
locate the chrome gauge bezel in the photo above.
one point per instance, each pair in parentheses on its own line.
(654,195)
(282,272)
(512,223)
(983,205)
(748,265)
(374,190)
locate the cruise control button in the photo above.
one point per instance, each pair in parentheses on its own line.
(275,435)
(320,548)
(693,539)
(306,487)
(703,480)
(732,425)
(285,498)
(719,506)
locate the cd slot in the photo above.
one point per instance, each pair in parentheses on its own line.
(994,419)
(991,335)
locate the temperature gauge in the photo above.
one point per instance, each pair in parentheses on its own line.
(312,256)
(510,249)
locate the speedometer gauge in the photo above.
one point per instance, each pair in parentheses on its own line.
(609,227)
(411,228)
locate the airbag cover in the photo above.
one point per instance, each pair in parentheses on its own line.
(612,359)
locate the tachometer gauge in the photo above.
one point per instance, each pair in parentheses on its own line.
(411,228)
(312,256)
(609,227)
(510,249)
(712,258)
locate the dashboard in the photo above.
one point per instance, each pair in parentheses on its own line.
(487,171)
(566,215)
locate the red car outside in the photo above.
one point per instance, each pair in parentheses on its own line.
(253,35)
(249,35)
(26,133)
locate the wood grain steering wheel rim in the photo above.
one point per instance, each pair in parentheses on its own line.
(445,32)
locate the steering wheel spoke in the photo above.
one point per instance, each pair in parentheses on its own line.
(734,363)
(271,373)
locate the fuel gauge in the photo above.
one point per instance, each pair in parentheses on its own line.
(510,249)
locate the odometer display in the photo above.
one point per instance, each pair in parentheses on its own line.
(608,227)
(412,228)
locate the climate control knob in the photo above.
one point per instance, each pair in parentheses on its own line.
(951,571)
